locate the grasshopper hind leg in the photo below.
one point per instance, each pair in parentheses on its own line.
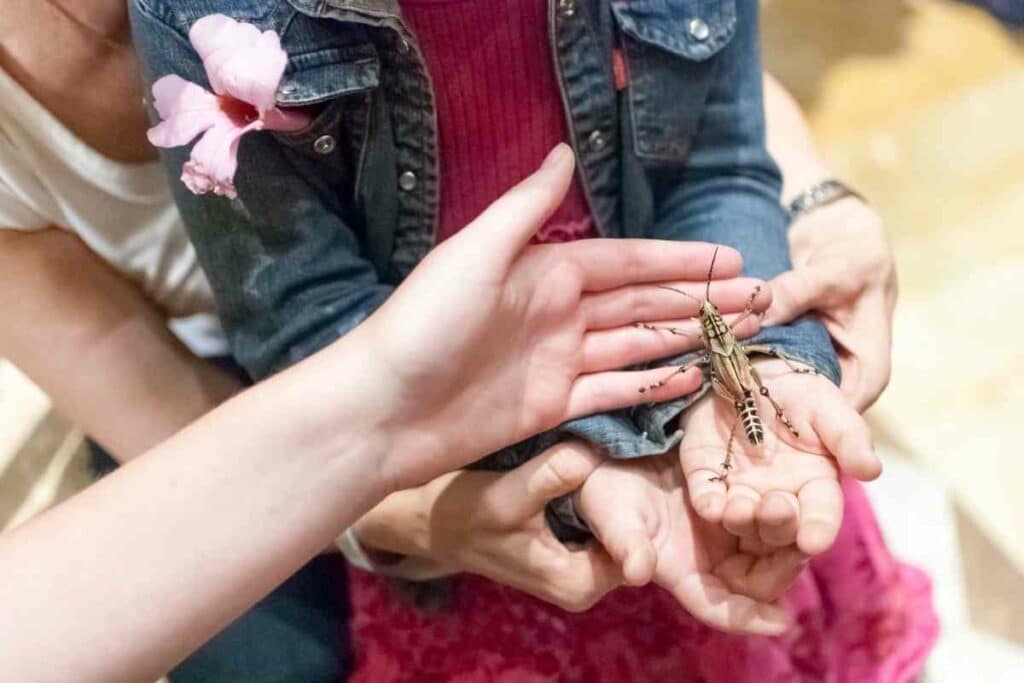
(779,413)
(766,350)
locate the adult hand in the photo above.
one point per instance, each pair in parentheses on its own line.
(843,272)
(490,341)
(493,524)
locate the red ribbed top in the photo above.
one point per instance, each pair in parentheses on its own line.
(499,109)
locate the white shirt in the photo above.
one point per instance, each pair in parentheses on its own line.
(123,212)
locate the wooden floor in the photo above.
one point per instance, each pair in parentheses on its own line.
(921,106)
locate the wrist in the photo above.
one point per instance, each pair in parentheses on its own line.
(401,523)
(411,449)
(797,177)
(333,408)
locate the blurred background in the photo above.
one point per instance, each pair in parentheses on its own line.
(920,105)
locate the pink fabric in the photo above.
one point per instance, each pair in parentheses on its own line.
(859,617)
(499,110)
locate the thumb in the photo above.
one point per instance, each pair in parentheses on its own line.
(558,471)
(794,293)
(510,222)
(626,539)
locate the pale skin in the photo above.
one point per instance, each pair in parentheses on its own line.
(843,271)
(785,491)
(640,511)
(202,526)
(108,353)
(120,336)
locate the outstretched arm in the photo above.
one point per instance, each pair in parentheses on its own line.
(163,553)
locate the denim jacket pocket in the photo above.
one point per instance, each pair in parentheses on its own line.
(334,81)
(670,48)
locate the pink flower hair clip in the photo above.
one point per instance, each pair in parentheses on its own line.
(244,67)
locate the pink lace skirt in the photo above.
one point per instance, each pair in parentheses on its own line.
(859,615)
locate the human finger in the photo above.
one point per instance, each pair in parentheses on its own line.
(711,601)
(653,302)
(603,391)
(821,515)
(609,263)
(778,518)
(739,517)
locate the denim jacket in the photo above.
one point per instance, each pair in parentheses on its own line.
(329,220)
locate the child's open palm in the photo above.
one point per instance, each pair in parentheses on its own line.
(787,489)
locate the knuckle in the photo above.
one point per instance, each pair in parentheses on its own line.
(576,600)
(639,302)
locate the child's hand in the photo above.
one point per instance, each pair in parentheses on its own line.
(639,511)
(786,490)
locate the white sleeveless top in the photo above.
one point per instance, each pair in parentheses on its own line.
(123,212)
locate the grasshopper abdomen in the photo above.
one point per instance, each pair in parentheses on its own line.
(751,418)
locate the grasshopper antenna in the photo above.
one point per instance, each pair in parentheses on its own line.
(711,270)
(679,291)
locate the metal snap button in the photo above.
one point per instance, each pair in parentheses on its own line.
(404,47)
(324,144)
(287,88)
(597,141)
(698,29)
(567,7)
(407,181)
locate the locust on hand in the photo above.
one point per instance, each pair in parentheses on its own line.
(726,361)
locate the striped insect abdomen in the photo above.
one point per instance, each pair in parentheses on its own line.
(751,419)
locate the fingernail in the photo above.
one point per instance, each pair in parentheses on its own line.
(556,155)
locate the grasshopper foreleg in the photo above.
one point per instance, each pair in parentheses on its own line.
(671,330)
(748,309)
(700,360)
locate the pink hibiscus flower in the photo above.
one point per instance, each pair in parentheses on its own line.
(244,67)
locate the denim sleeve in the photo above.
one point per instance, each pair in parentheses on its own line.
(728,193)
(285,268)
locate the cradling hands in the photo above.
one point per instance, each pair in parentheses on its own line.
(640,511)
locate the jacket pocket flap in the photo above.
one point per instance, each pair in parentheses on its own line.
(328,73)
(695,29)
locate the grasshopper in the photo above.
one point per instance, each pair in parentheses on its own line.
(727,362)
